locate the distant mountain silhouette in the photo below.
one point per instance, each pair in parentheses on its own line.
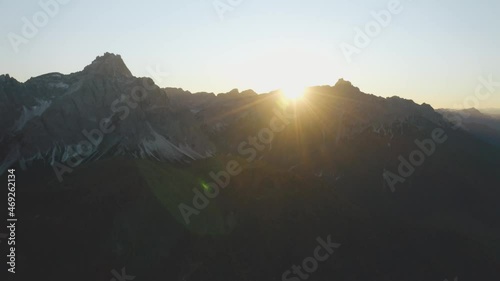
(320,172)
(484,126)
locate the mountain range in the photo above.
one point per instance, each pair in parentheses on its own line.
(106,160)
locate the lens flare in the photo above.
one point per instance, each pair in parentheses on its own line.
(293,92)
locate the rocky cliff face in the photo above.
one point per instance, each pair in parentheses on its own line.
(104,111)
(99,112)
(321,172)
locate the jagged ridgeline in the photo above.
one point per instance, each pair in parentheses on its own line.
(92,114)
(105,159)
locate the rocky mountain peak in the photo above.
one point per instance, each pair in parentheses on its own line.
(346,87)
(343,83)
(109,64)
(473,111)
(5,78)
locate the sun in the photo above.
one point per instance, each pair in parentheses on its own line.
(293,92)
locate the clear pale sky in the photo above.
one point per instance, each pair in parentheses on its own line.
(434,51)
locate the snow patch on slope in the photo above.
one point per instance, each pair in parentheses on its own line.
(9,160)
(159,148)
(30,113)
(59,85)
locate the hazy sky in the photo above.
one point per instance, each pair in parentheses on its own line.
(432,51)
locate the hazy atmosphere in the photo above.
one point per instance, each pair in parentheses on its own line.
(250,140)
(430,51)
